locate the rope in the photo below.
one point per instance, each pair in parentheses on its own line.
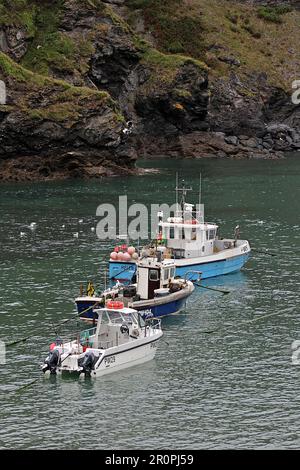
(250,321)
(54,326)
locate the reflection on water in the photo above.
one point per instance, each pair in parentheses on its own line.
(235,387)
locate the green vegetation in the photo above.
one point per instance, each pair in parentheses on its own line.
(50,48)
(19,12)
(273,13)
(67,102)
(175,29)
(164,67)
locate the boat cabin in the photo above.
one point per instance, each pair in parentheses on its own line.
(187,235)
(112,324)
(154,277)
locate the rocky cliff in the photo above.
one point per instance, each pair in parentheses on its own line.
(91,85)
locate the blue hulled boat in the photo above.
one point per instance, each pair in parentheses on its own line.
(155,294)
(192,243)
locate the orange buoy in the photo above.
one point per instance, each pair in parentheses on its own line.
(114,304)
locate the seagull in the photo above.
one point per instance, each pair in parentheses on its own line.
(75,235)
(32,225)
(80,221)
(63,226)
(22,234)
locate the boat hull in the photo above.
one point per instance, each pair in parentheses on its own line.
(157,307)
(85,308)
(117,359)
(216,266)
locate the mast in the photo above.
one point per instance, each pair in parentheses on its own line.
(176,191)
(200,190)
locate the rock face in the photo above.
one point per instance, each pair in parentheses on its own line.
(50,129)
(69,117)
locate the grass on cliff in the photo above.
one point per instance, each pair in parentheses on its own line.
(260,45)
(19,12)
(264,39)
(66,102)
(52,50)
(171,24)
(273,13)
(48,48)
(164,68)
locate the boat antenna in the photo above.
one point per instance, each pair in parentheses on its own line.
(176,191)
(200,190)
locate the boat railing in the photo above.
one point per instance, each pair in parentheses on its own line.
(86,334)
(79,336)
(155,323)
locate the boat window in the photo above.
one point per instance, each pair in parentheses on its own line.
(212,234)
(115,317)
(182,234)
(172,272)
(194,235)
(153,275)
(207,235)
(172,232)
(166,274)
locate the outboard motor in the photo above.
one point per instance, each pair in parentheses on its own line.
(88,363)
(51,362)
(124,328)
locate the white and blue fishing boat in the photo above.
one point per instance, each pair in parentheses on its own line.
(155,294)
(192,243)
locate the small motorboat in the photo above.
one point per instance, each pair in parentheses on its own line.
(157,292)
(121,339)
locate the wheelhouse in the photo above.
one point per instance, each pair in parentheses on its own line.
(153,276)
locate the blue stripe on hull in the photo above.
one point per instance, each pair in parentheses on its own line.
(163,310)
(155,311)
(125,271)
(215,268)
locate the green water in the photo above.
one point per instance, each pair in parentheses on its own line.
(236,387)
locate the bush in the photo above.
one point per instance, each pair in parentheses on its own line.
(273,14)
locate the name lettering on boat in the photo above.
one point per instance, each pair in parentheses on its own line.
(244,249)
(109,360)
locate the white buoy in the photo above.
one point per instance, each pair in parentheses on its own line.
(22,234)
(75,235)
(63,226)
(80,221)
(92,229)
(33,225)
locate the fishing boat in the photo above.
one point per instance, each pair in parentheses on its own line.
(120,339)
(191,242)
(156,292)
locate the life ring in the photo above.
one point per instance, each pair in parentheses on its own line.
(115,304)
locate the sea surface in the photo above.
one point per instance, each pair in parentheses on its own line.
(225,375)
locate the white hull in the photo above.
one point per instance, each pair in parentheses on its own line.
(120,357)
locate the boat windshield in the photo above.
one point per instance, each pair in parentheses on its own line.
(115,316)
